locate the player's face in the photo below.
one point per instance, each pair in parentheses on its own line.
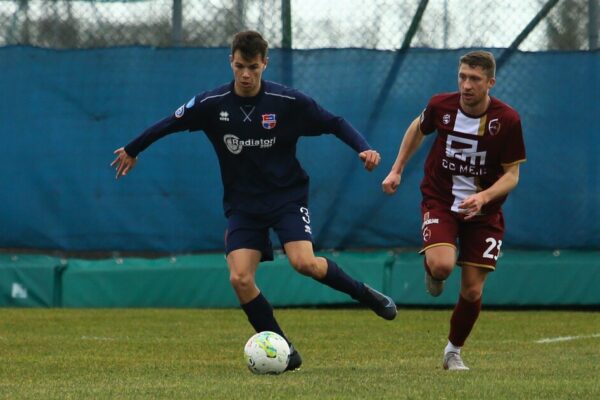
(474,86)
(247,73)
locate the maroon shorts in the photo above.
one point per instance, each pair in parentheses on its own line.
(478,239)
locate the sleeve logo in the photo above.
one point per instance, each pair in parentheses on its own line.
(191,103)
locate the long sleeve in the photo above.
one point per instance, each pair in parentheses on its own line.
(349,135)
(160,129)
(322,121)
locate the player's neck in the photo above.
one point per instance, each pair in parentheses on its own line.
(243,92)
(476,109)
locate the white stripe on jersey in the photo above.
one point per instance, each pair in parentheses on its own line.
(468,125)
(216,95)
(462,187)
(280,95)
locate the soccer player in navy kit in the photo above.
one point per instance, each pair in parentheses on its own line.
(472,166)
(253,126)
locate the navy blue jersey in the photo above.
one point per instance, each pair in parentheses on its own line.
(255,140)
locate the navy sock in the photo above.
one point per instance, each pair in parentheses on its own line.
(337,279)
(260,315)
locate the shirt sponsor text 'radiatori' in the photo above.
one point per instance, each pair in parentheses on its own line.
(235,145)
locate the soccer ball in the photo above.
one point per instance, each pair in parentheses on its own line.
(267,353)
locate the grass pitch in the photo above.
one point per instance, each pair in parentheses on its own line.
(348,354)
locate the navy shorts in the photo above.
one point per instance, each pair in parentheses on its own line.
(250,231)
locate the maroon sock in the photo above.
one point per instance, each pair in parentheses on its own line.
(463,318)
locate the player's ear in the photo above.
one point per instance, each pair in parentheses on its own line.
(266,61)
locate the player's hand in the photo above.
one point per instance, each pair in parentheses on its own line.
(123,163)
(471,206)
(371,159)
(390,183)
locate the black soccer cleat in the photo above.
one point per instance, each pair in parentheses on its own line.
(295,361)
(383,305)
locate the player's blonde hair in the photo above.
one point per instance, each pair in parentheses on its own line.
(480,58)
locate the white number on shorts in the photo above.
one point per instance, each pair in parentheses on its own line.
(493,245)
(305,216)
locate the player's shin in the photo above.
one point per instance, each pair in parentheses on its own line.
(463,319)
(260,315)
(337,279)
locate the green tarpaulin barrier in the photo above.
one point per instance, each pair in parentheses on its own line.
(203,281)
(30,280)
(523,278)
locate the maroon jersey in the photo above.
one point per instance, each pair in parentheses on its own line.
(470,151)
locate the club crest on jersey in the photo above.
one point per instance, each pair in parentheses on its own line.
(494,126)
(269,121)
(446,119)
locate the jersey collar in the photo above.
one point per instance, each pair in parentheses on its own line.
(248,100)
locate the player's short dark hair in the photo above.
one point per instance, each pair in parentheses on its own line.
(250,44)
(480,58)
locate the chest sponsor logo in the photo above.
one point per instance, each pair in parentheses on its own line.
(464,150)
(235,145)
(269,121)
(494,127)
(224,116)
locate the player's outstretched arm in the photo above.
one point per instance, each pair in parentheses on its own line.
(126,159)
(370,158)
(123,163)
(410,143)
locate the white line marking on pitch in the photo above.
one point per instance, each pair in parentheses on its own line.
(567,338)
(97,338)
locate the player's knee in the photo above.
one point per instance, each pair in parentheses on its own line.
(241,281)
(305,265)
(471,294)
(440,268)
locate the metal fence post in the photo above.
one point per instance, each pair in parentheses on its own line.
(593,26)
(287,65)
(177,22)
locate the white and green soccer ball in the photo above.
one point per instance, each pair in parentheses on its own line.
(267,353)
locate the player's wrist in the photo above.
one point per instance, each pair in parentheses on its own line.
(485,198)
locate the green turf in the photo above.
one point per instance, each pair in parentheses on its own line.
(348,354)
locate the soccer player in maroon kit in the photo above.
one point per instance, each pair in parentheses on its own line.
(472,166)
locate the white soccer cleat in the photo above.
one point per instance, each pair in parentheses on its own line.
(453,362)
(434,287)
